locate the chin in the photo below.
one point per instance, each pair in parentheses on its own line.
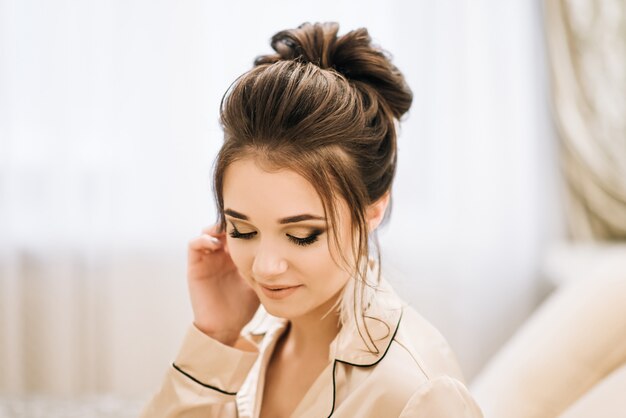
(288,311)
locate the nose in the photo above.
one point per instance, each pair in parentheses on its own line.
(268,262)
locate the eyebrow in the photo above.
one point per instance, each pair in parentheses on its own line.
(287,220)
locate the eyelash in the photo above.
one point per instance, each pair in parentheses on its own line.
(298,241)
(236,234)
(306,240)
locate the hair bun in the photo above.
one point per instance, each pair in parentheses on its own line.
(351,55)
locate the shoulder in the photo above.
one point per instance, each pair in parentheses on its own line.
(426,346)
(415,340)
(413,346)
(417,353)
(441,397)
(422,373)
(418,375)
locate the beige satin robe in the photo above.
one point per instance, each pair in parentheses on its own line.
(414,373)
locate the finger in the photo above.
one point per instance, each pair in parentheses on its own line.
(213,230)
(205,242)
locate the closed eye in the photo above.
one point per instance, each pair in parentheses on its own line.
(306,240)
(302,241)
(236,234)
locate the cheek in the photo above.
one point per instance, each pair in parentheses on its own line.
(338,257)
(241,254)
(319,263)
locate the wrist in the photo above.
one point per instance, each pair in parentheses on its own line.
(226,337)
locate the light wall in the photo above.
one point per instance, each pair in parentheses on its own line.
(108,128)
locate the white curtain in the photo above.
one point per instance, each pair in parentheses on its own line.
(108,128)
(587,45)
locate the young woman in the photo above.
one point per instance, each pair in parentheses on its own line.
(302,181)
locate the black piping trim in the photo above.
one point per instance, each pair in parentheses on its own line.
(334,389)
(363,365)
(200,383)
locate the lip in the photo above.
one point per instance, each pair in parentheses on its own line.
(279,291)
(277,286)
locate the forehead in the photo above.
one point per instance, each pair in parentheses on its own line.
(257,193)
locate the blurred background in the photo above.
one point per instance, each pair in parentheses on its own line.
(511,177)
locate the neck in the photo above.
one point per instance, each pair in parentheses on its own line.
(311,334)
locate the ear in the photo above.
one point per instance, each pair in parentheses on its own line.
(376,212)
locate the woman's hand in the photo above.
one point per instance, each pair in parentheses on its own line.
(222,302)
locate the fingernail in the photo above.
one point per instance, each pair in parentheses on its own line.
(214,240)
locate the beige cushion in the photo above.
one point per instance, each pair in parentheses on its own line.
(607,399)
(571,344)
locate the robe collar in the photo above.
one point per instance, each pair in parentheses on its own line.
(382,319)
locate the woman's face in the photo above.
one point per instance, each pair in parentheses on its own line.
(277,238)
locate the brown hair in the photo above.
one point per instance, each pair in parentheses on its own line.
(323,106)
